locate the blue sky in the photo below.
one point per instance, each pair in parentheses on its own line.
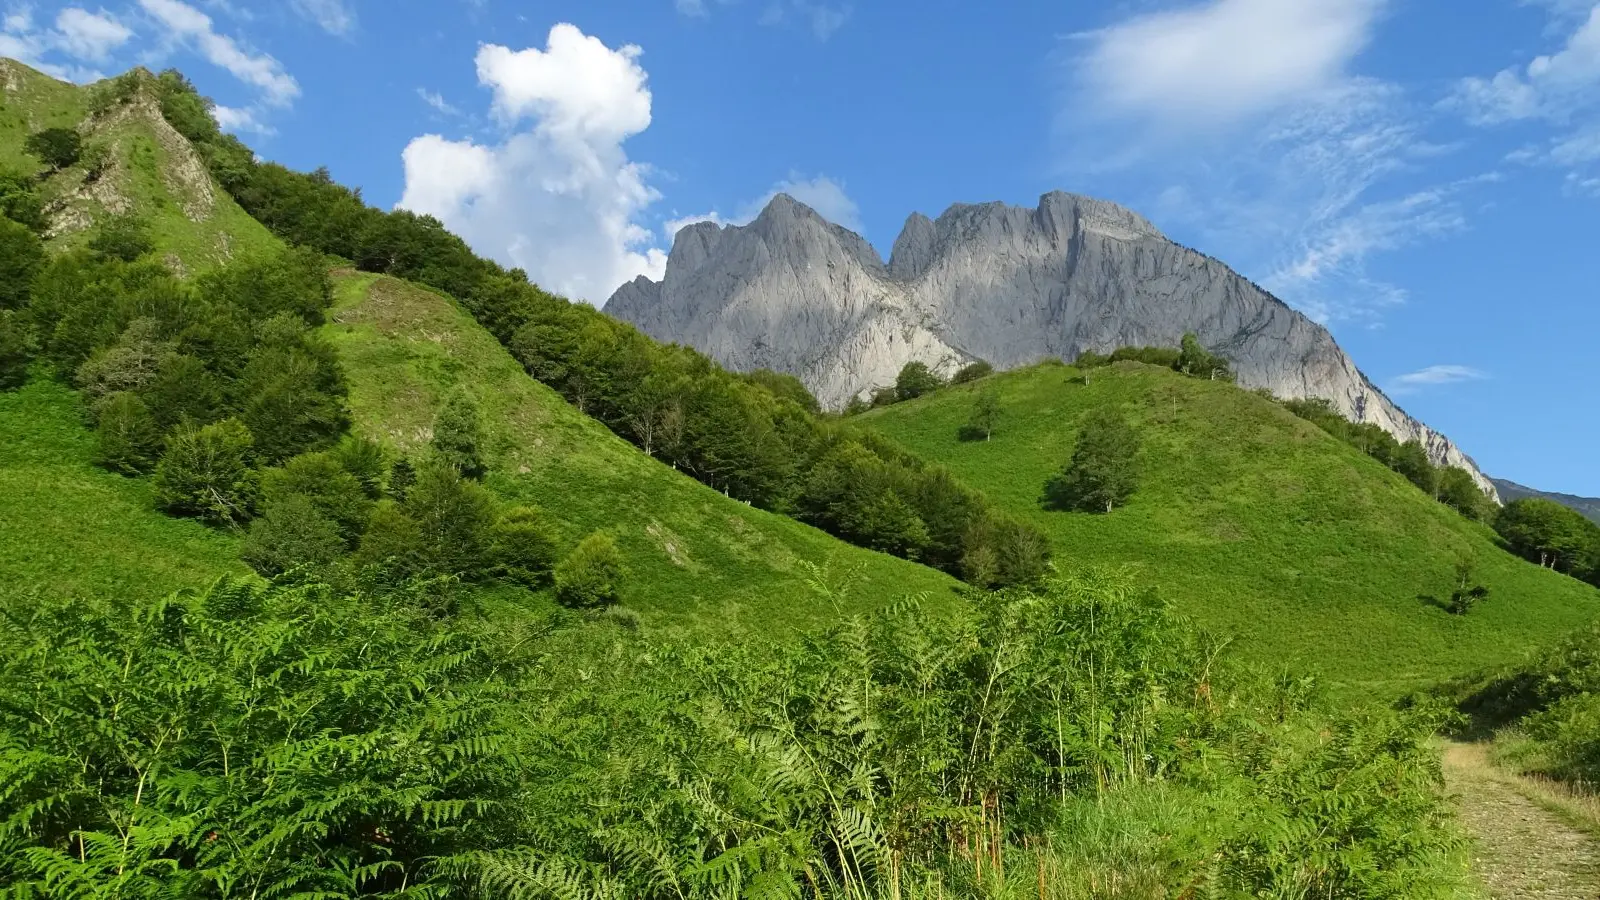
(1423,176)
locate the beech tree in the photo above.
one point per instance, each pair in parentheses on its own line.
(985,415)
(205,473)
(1104,468)
(458,436)
(915,380)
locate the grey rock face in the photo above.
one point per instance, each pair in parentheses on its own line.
(795,293)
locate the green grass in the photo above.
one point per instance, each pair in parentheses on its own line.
(155,173)
(698,559)
(68,528)
(1257,524)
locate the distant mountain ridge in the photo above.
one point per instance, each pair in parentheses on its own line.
(796,293)
(1510,490)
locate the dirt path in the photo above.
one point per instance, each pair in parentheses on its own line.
(1521,850)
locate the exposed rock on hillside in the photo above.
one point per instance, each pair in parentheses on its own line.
(795,293)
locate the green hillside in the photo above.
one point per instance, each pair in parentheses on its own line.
(697,558)
(148,169)
(1256,523)
(69,528)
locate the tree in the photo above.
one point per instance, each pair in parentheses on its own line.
(1459,491)
(1104,468)
(915,380)
(522,546)
(393,540)
(336,494)
(1465,594)
(124,238)
(591,576)
(453,517)
(205,473)
(58,148)
(16,350)
(128,440)
(458,435)
(21,257)
(972,372)
(985,415)
(786,387)
(1198,362)
(402,475)
(19,202)
(1550,534)
(364,458)
(292,390)
(1413,462)
(292,533)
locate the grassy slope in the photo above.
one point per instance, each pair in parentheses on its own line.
(155,172)
(697,558)
(69,528)
(1258,524)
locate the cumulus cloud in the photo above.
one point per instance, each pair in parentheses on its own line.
(1223,60)
(333,16)
(86,38)
(189,25)
(90,36)
(240,121)
(557,196)
(1434,376)
(823,194)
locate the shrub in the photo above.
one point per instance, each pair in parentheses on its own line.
(128,440)
(125,238)
(972,372)
(292,533)
(19,202)
(365,459)
(591,576)
(205,473)
(58,148)
(522,546)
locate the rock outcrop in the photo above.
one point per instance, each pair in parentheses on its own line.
(795,293)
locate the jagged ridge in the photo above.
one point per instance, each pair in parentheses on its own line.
(795,293)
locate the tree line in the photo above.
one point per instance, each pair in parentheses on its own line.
(755,437)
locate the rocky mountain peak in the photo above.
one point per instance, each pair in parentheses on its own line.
(1010,285)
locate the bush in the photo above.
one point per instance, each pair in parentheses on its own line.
(19,202)
(915,380)
(591,576)
(972,372)
(125,238)
(364,459)
(205,473)
(58,148)
(522,546)
(292,533)
(128,441)
(392,541)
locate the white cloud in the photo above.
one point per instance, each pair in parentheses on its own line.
(333,16)
(1223,60)
(437,101)
(692,7)
(823,194)
(240,121)
(558,196)
(90,36)
(189,25)
(1241,122)
(1549,86)
(820,18)
(1434,376)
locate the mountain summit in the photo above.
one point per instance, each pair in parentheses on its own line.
(796,293)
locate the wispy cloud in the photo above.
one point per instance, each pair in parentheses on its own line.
(189,25)
(1432,377)
(86,39)
(1241,122)
(437,101)
(333,16)
(824,194)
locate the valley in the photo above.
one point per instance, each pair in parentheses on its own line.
(340,560)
